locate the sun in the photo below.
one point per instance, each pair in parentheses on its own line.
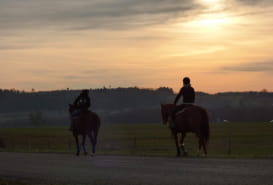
(212,4)
(209,2)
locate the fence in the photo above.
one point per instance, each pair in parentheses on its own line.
(154,146)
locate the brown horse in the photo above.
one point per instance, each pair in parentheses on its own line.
(192,119)
(85,124)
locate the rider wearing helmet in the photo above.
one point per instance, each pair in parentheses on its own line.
(82,103)
(188,94)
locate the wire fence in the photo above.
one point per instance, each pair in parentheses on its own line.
(154,146)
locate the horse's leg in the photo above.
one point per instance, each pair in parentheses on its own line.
(202,143)
(176,144)
(94,142)
(204,146)
(199,146)
(83,144)
(183,135)
(77,144)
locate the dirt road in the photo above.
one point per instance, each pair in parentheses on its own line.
(69,169)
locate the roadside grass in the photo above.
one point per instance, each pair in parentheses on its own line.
(16,181)
(233,140)
(11,182)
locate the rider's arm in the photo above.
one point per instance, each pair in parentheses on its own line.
(193,95)
(76,101)
(178,96)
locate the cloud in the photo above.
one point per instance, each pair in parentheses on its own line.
(97,14)
(251,67)
(256,2)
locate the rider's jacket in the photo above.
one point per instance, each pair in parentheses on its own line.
(82,102)
(188,94)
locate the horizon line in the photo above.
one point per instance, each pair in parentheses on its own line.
(33,90)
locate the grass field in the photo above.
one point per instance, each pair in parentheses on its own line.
(227,140)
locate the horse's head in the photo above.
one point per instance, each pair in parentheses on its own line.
(166,112)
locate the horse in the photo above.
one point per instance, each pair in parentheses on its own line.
(85,124)
(191,119)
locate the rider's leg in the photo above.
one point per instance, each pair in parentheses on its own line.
(177,109)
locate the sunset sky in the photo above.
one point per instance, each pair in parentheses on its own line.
(222,45)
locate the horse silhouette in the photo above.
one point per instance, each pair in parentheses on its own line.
(192,119)
(84,124)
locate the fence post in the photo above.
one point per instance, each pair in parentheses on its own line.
(134,145)
(229,141)
(12,144)
(69,144)
(48,144)
(29,144)
(229,145)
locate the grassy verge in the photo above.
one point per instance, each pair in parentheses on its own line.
(12,182)
(227,140)
(16,181)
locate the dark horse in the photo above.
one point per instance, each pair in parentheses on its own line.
(192,119)
(85,124)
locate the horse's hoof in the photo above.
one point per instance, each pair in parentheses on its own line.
(204,155)
(78,153)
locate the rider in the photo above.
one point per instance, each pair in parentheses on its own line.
(188,94)
(82,103)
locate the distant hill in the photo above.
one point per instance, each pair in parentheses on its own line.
(127,105)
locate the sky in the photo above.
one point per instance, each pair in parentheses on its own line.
(222,45)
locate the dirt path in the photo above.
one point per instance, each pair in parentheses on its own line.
(69,169)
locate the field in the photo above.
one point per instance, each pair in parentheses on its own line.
(236,140)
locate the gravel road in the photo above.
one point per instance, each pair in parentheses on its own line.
(69,169)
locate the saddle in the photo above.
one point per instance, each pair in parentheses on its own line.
(182,109)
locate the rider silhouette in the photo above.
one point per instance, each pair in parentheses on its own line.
(188,94)
(82,103)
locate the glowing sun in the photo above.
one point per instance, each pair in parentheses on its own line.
(210,2)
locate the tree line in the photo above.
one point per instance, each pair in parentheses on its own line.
(128,105)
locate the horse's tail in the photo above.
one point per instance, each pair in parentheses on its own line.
(205,126)
(96,128)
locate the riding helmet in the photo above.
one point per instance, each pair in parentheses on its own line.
(186,80)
